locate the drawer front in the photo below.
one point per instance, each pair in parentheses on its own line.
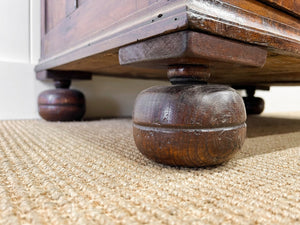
(57,10)
(70,22)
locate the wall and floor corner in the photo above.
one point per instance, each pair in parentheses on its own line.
(106,97)
(20,52)
(18,55)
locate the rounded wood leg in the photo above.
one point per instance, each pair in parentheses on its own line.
(61,104)
(254,105)
(192,124)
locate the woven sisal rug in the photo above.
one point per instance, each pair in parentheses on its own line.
(92,173)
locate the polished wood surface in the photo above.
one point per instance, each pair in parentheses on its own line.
(254,105)
(71,45)
(94,18)
(291,6)
(188,47)
(189,125)
(61,104)
(188,74)
(226,59)
(57,10)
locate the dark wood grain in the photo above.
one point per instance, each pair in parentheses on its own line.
(189,125)
(260,8)
(62,103)
(254,105)
(102,17)
(250,12)
(188,73)
(57,10)
(246,25)
(71,45)
(278,70)
(95,38)
(291,6)
(252,16)
(187,47)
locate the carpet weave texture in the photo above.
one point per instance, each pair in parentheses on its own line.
(92,173)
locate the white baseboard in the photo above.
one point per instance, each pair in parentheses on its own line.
(17,91)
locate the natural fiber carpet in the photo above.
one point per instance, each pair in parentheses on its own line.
(91,173)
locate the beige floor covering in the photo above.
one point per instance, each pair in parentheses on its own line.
(91,173)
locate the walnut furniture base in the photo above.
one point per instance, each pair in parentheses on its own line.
(199,45)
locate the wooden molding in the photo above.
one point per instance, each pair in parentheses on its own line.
(74,45)
(290,6)
(230,21)
(275,30)
(188,47)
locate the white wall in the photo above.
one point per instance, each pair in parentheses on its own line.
(106,97)
(281,99)
(19,52)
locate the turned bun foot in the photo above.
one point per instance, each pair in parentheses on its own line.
(254,105)
(61,104)
(189,125)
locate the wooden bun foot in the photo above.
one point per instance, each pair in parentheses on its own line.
(189,125)
(254,105)
(61,104)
